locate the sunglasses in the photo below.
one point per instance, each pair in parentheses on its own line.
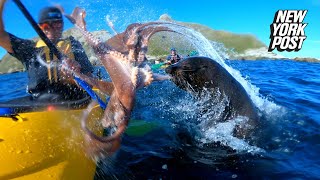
(51,25)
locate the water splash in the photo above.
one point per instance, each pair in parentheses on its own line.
(202,118)
(223,133)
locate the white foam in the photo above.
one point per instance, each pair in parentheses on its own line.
(222,132)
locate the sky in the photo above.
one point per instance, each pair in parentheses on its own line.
(235,16)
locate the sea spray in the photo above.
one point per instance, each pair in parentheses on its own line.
(223,133)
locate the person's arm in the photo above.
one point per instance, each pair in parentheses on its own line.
(4,36)
(168,60)
(103,86)
(178,57)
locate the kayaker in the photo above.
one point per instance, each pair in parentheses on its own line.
(48,83)
(173,57)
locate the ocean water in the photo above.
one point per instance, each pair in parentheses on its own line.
(181,145)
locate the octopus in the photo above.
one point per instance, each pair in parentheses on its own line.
(123,56)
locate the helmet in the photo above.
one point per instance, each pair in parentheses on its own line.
(173,49)
(49,14)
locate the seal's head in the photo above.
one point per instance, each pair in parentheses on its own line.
(193,73)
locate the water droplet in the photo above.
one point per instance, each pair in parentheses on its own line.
(165,166)
(234,176)
(286,150)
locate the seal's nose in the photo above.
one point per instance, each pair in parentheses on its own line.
(170,69)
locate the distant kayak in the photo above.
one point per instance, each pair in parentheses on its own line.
(159,66)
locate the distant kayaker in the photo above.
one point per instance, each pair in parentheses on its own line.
(173,57)
(48,83)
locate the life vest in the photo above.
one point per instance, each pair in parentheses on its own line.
(64,46)
(175,58)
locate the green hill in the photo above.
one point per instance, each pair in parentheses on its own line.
(235,43)
(238,42)
(9,64)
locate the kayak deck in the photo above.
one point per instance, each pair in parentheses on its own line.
(45,141)
(26,104)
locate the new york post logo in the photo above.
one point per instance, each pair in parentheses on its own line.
(287,30)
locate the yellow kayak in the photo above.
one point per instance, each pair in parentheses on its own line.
(40,141)
(46,144)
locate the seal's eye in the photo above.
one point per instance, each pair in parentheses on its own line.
(186,67)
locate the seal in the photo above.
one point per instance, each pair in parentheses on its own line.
(201,74)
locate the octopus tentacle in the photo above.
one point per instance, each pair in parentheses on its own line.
(105,139)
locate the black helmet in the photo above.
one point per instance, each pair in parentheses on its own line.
(50,14)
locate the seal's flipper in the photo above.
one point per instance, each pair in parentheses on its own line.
(160,77)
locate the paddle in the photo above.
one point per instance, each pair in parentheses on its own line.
(56,52)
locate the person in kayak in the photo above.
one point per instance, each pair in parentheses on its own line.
(173,57)
(48,83)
